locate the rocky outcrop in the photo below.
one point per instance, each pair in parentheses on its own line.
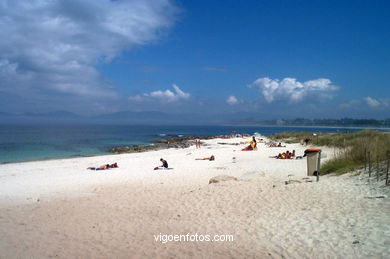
(173,142)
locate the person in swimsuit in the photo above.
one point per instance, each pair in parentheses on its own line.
(163,166)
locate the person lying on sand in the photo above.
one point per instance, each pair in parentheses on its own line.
(276,145)
(279,156)
(104,167)
(212,158)
(163,166)
(285,155)
(114,165)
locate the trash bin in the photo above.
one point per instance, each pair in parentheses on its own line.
(313,157)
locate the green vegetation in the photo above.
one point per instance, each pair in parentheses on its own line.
(354,148)
(340,165)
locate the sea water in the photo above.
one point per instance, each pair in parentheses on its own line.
(31,142)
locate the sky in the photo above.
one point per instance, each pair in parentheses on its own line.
(275,59)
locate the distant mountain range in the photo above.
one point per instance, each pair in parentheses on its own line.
(124,117)
(161,118)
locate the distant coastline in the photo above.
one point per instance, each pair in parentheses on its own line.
(162,118)
(387,128)
(344,122)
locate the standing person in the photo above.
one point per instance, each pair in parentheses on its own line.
(163,166)
(197,143)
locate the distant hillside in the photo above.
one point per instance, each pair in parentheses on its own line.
(161,118)
(345,122)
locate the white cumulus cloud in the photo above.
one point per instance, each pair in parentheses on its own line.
(291,89)
(164,96)
(50,47)
(232,100)
(372,102)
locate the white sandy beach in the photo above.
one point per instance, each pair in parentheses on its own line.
(57,208)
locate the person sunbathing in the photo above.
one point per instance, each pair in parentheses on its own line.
(252,145)
(276,145)
(284,155)
(212,158)
(290,155)
(104,167)
(114,165)
(277,157)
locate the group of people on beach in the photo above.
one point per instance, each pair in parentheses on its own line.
(285,155)
(164,164)
(197,143)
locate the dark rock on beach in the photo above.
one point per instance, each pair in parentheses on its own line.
(133,149)
(184,139)
(174,142)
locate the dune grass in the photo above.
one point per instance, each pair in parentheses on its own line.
(354,148)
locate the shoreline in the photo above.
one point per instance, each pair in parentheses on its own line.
(174,142)
(61,209)
(176,139)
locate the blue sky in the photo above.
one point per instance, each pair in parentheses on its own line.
(277,59)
